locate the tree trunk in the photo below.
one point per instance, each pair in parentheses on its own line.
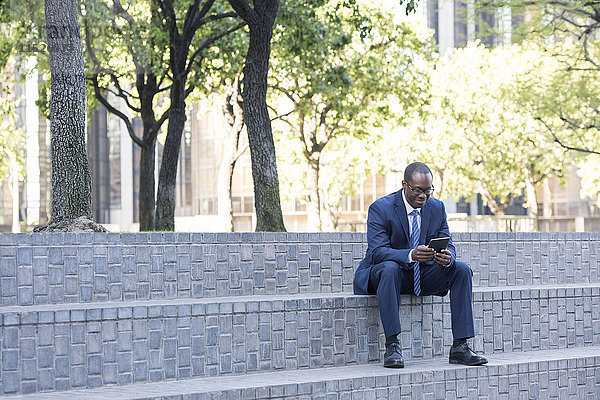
(231,152)
(547,195)
(224,183)
(179,46)
(531,195)
(440,191)
(312,146)
(167,177)
(260,135)
(148,87)
(147,186)
(496,208)
(14,176)
(313,208)
(224,204)
(328,223)
(71,181)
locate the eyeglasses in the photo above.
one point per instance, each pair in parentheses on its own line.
(419,191)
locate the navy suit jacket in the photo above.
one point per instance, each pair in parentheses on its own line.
(388,235)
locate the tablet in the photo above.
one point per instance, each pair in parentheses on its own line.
(439,244)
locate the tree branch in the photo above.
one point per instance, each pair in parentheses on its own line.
(168,13)
(217,17)
(560,143)
(121,93)
(281,116)
(158,124)
(240,152)
(196,18)
(119,10)
(115,111)
(243,9)
(289,94)
(206,42)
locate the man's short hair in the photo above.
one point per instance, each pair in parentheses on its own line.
(416,168)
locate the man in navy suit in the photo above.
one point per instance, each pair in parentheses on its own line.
(398,261)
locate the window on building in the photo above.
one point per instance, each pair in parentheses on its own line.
(184,171)
(114,157)
(463,206)
(460,24)
(248,204)
(380,186)
(236,204)
(208,206)
(300,206)
(344,203)
(355,204)
(433,18)
(368,190)
(486,28)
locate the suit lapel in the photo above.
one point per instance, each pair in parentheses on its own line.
(425,216)
(401,211)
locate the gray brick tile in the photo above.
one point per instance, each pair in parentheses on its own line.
(576,328)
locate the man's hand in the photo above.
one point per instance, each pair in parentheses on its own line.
(444,257)
(423,253)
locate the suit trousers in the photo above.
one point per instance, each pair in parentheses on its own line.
(388,280)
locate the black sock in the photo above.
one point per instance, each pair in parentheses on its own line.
(391,339)
(458,342)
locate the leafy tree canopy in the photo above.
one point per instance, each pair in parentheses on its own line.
(478,135)
(11,138)
(341,71)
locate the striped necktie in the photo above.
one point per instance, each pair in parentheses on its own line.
(414,242)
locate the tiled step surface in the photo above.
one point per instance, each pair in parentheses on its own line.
(72,268)
(180,312)
(509,259)
(550,374)
(59,347)
(93,344)
(84,271)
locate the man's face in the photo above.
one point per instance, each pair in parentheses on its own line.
(418,182)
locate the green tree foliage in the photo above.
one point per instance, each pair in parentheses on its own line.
(11,150)
(127,73)
(190,35)
(16,26)
(149,54)
(478,136)
(568,109)
(222,89)
(11,138)
(340,71)
(23,30)
(568,31)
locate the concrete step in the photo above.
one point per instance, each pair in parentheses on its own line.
(59,347)
(72,268)
(549,374)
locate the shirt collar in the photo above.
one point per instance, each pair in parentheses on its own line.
(409,208)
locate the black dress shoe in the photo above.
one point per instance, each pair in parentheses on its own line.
(462,354)
(393,356)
